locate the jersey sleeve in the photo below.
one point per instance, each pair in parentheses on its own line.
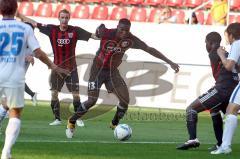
(32,42)
(45,29)
(235,52)
(83,34)
(138,44)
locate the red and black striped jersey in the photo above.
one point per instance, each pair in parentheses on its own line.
(64,43)
(112,49)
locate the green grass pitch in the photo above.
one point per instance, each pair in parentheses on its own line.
(156,133)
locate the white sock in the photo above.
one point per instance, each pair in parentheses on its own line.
(229,129)
(12,131)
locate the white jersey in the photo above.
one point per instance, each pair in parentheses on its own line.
(235,53)
(15,36)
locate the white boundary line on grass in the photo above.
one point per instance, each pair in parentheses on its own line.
(101,142)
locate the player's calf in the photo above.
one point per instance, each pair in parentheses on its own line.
(121,110)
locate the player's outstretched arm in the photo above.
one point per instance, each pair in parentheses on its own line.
(159,55)
(42,56)
(94,36)
(26,19)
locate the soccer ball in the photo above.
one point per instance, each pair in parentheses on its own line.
(122,132)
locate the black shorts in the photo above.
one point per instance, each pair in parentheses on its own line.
(72,81)
(112,79)
(215,100)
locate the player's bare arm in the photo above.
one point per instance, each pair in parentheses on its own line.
(95,37)
(228,64)
(43,57)
(159,55)
(26,19)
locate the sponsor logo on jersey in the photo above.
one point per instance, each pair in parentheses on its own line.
(62,42)
(117,47)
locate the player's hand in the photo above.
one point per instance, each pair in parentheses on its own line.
(175,67)
(221,51)
(60,70)
(30,59)
(100,30)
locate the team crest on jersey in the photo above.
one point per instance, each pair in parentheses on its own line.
(70,35)
(126,43)
(117,47)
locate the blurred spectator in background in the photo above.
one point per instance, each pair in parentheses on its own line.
(194,19)
(219,11)
(167,16)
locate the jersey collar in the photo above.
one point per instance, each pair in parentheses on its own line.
(8,19)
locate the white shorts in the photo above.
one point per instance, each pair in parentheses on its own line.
(235,97)
(14,96)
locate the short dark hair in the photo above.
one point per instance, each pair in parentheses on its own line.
(234,30)
(63,11)
(125,21)
(8,7)
(214,37)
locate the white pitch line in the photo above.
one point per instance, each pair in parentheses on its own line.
(101,142)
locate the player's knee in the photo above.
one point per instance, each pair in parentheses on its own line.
(54,95)
(123,105)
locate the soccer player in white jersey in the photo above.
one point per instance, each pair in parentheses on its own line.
(232,35)
(14,38)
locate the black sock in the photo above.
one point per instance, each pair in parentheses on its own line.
(218,127)
(192,118)
(76,104)
(118,115)
(55,105)
(28,90)
(78,114)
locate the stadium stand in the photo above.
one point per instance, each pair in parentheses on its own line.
(93,1)
(138,14)
(154,15)
(100,12)
(174,3)
(208,5)
(234,18)
(44,10)
(26,8)
(61,6)
(180,15)
(81,11)
(135,2)
(118,13)
(200,16)
(235,4)
(154,2)
(209,19)
(135,10)
(192,3)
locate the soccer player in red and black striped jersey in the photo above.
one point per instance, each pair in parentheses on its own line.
(114,43)
(63,39)
(215,99)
